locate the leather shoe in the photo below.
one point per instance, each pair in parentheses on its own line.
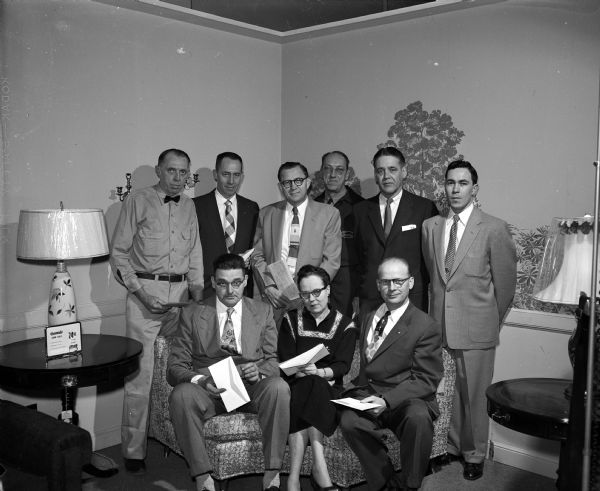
(135,466)
(272,488)
(473,471)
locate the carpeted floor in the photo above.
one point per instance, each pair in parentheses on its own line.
(171,474)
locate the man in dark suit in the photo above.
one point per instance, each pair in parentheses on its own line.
(389,224)
(298,231)
(472,262)
(400,370)
(344,287)
(228,325)
(226,220)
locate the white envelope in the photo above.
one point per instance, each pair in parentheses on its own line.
(291,366)
(226,376)
(406,228)
(355,403)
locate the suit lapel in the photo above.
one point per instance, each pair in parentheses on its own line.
(208,332)
(277,218)
(250,335)
(242,225)
(439,229)
(399,329)
(217,227)
(308,225)
(375,218)
(467,239)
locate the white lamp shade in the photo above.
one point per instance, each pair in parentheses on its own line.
(61,234)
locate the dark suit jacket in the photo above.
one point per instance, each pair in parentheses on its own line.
(481,287)
(212,236)
(408,364)
(404,241)
(198,343)
(320,240)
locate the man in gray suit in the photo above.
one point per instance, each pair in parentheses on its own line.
(298,231)
(227,325)
(472,263)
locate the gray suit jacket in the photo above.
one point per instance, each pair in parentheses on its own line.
(480,289)
(197,343)
(320,240)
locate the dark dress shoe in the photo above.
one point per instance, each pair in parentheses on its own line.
(272,488)
(135,466)
(473,471)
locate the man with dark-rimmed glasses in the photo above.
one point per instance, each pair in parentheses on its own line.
(297,231)
(400,370)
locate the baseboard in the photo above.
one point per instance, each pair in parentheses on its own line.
(107,437)
(515,457)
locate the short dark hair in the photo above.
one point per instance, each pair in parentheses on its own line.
(228,262)
(463,164)
(176,152)
(394,258)
(228,155)
(335,152)
(310,270)
(291,165)
(389,152)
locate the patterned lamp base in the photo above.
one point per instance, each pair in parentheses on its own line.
(61,307)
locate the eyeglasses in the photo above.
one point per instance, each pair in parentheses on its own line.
(224,284)
(399,282)
(315,293)
(297,182)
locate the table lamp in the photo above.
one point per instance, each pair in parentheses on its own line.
(60,235)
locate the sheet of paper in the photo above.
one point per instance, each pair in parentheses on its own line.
(355,403)
(246,255)
(291,366)
(226,376)
(283,279)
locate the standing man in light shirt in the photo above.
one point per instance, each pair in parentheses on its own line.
(226,220)
(389,224)
(298,231)
(156,254)
(223,326)
(344,287)
(472,262)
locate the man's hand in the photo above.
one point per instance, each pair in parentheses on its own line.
(276,298)
(196,293)
(375,400)
(209,384)
(249,372)
(152,303)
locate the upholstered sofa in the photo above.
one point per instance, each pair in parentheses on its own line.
(234,440)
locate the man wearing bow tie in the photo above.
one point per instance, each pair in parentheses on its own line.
(156,254)
(400,370)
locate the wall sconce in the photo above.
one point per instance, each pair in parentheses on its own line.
(189,184)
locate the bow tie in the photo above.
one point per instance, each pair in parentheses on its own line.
(172,198)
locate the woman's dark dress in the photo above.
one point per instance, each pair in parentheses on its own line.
(311,396)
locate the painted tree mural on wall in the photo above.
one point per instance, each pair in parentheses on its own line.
(428,141)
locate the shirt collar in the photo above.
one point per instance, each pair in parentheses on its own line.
(301,207)
(222,199)
(464,215)
(395,199)
(222,308)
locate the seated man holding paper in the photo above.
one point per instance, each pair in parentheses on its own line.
(228,326)
(292,233)
(400,370)
(318,379)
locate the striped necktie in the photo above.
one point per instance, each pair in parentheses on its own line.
(377,337)
(294,241)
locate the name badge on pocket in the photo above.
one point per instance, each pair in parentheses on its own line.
(406,228)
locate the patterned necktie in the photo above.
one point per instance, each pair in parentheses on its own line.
(172,198)
(387,221)
(377,337)
(451,251)
(294,241)
(229,226)
(228,336)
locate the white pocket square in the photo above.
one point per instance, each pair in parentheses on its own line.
(408,227)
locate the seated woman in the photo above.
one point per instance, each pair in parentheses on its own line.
(312,414)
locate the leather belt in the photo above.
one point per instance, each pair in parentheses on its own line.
(173,278)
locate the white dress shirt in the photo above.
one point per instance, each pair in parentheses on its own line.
(463,218)
(287,223)
(393,206)
(392,320)
(222,207)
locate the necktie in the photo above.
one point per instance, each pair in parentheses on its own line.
(451,251)
(294,241)
(377,337)
(172,198)
(387,221)
(329,201)
(229,226)
(228,336)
